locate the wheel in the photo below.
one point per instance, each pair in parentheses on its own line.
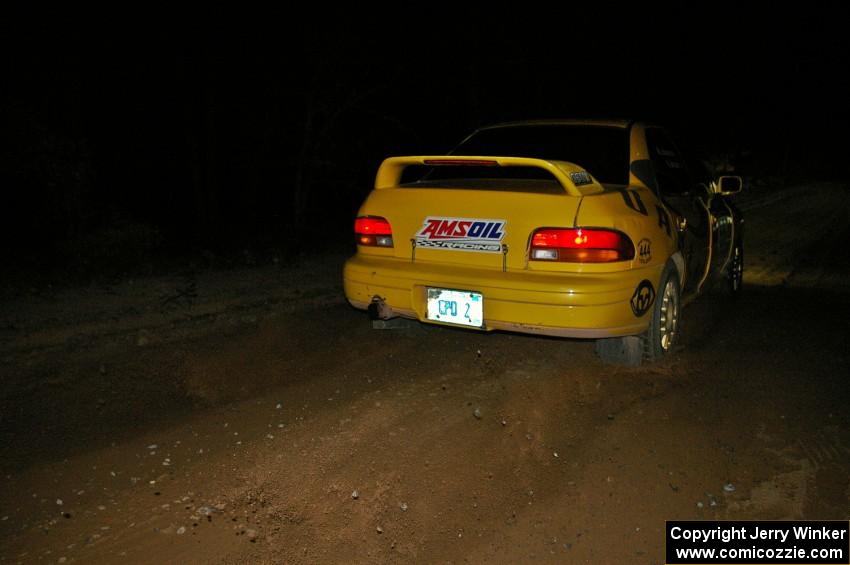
(734,276)
(659,338)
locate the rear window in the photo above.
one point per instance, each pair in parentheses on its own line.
(603,151)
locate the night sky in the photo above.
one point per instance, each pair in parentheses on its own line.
(129,138)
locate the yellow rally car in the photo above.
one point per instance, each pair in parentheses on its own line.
(574,228)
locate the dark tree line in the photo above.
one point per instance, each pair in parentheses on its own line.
(127,145)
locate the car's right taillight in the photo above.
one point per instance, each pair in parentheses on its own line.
(580,245)
(373,231)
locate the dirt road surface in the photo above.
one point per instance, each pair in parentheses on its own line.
(252,416)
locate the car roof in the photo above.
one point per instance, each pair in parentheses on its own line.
(610,123)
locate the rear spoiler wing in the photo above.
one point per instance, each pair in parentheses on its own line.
(569,175)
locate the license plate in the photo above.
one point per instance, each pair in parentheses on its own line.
(456,307)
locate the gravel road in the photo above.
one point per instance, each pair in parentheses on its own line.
(252,416)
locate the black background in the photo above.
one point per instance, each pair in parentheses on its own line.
(138,137)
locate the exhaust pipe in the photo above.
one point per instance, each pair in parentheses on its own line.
(384,318)
(379,310)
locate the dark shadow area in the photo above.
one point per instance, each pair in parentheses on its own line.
(780,341)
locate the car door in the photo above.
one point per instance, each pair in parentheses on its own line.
(686,198)
(720,212)
(722,226)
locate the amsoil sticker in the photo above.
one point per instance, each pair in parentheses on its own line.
(462,234)
(643,298)
(644,250)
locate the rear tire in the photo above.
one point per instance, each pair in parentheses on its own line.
(658,340)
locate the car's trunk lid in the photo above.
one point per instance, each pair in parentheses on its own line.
(482,222)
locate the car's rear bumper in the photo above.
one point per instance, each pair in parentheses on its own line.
(582,305)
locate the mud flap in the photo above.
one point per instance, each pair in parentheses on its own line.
(627,350)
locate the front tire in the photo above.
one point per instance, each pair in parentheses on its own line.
(734,276)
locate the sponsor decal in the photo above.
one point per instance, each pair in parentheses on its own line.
(462,234)
(721,221)
(580,178)
(644,250)
(643,298)
(663,220)
(633,201)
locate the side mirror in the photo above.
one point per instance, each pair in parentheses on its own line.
(729,184)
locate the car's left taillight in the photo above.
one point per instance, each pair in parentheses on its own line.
(373,231)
